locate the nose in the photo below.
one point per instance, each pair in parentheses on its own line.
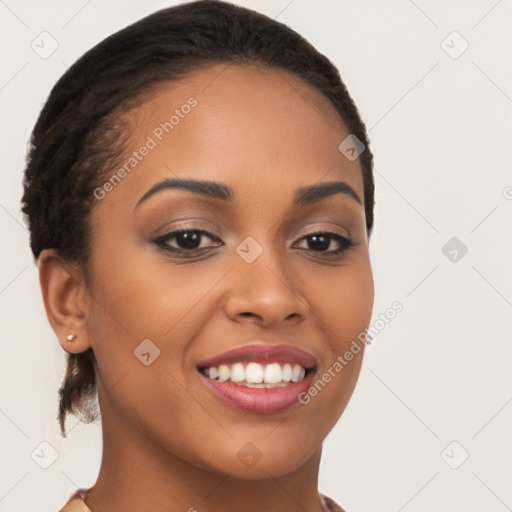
(264,292)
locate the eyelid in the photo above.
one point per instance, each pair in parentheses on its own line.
(324,227)
(188,225)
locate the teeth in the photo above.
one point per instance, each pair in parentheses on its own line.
(296,373)
(255,375)
(287,372)
(273,373)
(237,372)
(224,372)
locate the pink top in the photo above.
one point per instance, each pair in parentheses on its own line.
(76,503)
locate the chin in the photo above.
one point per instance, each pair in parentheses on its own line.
(263,459)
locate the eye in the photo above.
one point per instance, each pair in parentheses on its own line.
(186,240)
(322,241)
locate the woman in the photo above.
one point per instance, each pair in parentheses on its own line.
(199,193)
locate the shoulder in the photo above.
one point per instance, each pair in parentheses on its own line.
(331,505)
(76,503)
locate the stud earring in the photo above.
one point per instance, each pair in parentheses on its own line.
(71,337)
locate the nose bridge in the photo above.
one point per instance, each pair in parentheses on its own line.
(262,284)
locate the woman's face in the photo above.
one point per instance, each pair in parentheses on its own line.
(164,305)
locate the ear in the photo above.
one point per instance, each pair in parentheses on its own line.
(66,300)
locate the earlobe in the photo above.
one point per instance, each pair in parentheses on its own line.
(65,300)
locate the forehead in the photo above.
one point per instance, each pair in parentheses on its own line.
(256,128)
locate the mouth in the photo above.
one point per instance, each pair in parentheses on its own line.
(259,378)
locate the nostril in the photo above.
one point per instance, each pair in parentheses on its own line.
(248,314)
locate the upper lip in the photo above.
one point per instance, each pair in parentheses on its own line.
(263,354)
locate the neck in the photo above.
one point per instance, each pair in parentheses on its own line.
(138,475)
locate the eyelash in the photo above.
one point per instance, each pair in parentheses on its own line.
(162,242)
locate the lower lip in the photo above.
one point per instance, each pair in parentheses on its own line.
(259,400)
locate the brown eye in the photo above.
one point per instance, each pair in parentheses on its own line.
(319,242)
(323,241)
(186,240)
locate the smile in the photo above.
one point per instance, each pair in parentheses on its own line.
(258,378)
(255,375)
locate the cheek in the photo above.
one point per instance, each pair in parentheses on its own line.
(134,297)
(142,297)
(343,308)
(343,303)
(134,302)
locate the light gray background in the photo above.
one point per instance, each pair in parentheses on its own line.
(440,129)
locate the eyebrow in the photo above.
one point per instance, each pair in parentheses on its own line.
(214,190)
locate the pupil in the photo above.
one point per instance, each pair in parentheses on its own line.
(319,242)
(188,240)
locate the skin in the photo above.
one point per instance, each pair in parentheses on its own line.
(168,442)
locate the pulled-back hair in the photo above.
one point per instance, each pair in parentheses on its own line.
(80,135)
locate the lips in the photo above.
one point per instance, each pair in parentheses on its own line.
(262,354)
(259,378)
